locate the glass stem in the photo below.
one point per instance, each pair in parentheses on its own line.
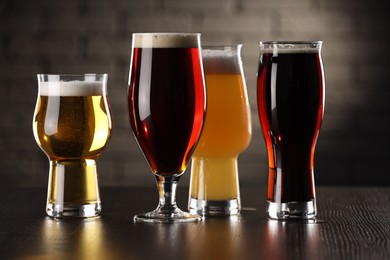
(167,193)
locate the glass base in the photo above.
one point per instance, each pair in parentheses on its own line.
(81,211)
(292,210)
(177,216)
(214,207)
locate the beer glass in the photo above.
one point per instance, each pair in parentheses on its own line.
(290,98)
(214,188)
(166,101)
(72,125)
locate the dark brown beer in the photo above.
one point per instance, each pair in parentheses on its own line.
(290,95)
(166,105)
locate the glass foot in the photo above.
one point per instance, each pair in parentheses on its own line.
(292,210)
(176,216)
(81,211)
(214,207)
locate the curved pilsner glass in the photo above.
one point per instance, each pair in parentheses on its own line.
(72,125)
(214,188)
(290,97)
(166,99)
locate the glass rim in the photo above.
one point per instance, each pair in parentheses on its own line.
(291,42)
(222,46)
(87,77)
(166,34)
(166,40)
(73,74)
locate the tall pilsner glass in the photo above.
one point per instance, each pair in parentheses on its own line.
(214,188)
(166,99)
(291,96)
(72,125)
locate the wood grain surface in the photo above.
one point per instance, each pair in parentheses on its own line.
(355,224)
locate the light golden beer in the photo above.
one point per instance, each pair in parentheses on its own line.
(226,133)
(72,126)
(69,127)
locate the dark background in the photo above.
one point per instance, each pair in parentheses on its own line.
(78,36)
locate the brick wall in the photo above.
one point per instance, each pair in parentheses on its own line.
(76,36)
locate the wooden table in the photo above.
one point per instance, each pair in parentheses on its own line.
(357,226)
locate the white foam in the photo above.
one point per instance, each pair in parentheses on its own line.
(290,47)
(71,88)
(221,62)
(166,40)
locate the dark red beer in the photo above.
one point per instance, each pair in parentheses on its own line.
(290,96)
(166,102)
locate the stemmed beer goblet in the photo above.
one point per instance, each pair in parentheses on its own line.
(166,102)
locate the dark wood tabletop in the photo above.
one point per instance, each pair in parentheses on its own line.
(356,225)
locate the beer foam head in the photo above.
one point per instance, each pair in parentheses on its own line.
(71,88)
(221,61)
(166,40)
(290,47)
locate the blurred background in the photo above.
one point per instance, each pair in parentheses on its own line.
(77,36)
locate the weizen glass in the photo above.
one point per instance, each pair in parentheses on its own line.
(72,125)
(291,97)
(166,99)
(214,188)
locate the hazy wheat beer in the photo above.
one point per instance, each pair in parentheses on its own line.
(226,133)
(291,96)
(72,126)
